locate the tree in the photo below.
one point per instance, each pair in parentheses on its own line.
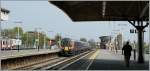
(92,43)
(83,39)
(15,31)
(5,32)
(24,38)
(58,39)
(12,33)
(28,38)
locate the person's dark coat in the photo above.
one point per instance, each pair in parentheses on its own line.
(127,50)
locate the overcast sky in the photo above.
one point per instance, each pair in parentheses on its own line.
(48,17)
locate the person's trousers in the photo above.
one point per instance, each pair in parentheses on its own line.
(127,61)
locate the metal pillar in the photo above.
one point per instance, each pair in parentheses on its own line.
(18,37)
(44,45)
(38,41)
(140,44)
(140,27)
(0,29)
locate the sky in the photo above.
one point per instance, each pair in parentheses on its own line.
(52,20)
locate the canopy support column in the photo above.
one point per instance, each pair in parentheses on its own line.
(140,28)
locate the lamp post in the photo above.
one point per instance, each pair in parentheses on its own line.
(4,14)
(1,36)
(59,39)
(37,38)
(27,40)
(0,30)
(44,45)
(18,34)
(50,39)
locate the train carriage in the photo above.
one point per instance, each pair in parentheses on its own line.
(6,44)
(70,47)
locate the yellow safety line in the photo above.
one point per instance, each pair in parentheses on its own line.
(93,57)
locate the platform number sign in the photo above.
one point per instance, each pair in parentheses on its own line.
(18,42)
(133,31)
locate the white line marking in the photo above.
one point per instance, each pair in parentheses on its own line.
(92,57)
(73,62)
(62,62)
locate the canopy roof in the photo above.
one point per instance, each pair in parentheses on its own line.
(104,10)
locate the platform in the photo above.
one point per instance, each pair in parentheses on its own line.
(109,60)
(14,53)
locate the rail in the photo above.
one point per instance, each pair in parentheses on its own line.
(55,63)
(61,65)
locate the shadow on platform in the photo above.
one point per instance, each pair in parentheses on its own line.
(101,64)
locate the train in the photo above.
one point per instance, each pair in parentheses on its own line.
(71,47)
(104,41)
(8,44)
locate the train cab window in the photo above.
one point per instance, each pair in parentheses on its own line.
(0,42)
(3,42)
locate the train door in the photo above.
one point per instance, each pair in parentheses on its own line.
(1,44)
(8,44)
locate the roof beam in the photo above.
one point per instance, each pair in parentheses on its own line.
(147,23)
(144,10)
(103,8)
(132,23)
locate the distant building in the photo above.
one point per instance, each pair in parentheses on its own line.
(104,41)
(97,44)
(4,14)
(119,41)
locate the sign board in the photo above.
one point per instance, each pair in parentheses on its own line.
(133,31)
(17,42)
(3,16)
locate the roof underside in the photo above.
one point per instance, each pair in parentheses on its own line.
(103,11)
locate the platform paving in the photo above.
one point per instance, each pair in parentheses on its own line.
(14,53)
(109,60)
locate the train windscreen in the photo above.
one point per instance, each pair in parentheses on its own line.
(65,42)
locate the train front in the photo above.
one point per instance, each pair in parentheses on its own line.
(67,47)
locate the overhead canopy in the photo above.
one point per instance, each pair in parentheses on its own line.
(104,10)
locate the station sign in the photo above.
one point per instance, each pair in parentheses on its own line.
(17,41)
(133,31)
(3,15)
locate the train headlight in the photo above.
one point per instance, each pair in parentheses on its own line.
(66,49)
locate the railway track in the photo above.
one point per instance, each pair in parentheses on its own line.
(44,64)
(56,63)
(63,64)
(83,63)
(35,65)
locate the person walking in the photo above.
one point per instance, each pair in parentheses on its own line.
(134,50)
(126,50)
